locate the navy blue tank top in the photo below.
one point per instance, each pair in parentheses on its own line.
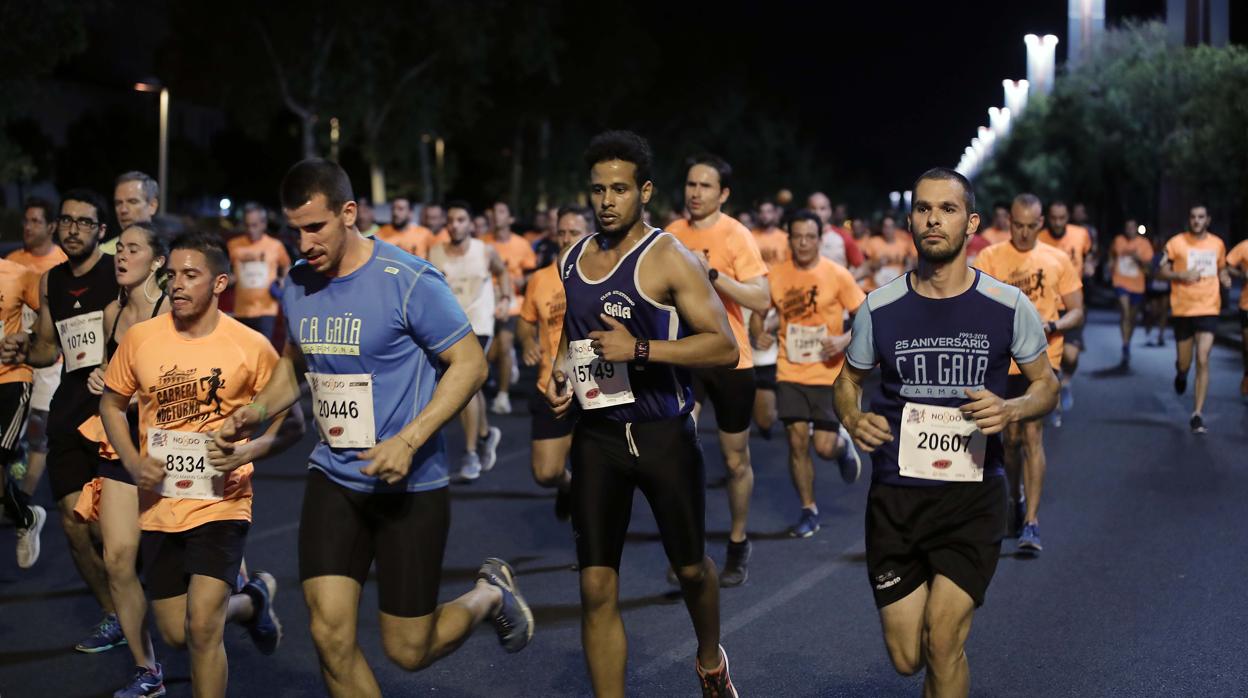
(661,391)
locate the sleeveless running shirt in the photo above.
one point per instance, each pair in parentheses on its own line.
(70,296)
(471,282)
(660,391)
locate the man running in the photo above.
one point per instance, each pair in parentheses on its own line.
(136,199)
(541,325)
(836,244)
(1129,258)
(377,481)
(737,272)
(889,255)
(641,313)
(943,337)
(1048,279)
(1077,242)
(1237,264)
(773,245)
(999,231)
(19,289)
(258,260)
(469,265)
(73,296)
(195,530)
(403,232)
(1194,265)
(812,294)
(518,255)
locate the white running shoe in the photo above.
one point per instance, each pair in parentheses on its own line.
(28,538)
(501,404)
(469,468)
(488,448)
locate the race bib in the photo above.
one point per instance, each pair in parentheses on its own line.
(254,274)
(597,383)
(1128,266)
(82,340)
(187,473)
(804,344)
(343,405)
(1203,261)
(939,443)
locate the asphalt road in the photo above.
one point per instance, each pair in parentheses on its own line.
(1139,591)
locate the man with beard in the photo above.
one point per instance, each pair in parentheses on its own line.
(641,313)
(73,296)
(403,232)
(936,509)
(1077,242)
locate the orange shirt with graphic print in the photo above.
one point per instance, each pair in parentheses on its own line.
(814,297)
(1044,273)
(191,385)
(732,251)
(1129,271)
(1204,296)
(1076,243)
(19,286)
(893,257)
(1238,258)
(519,257)
(38,263)
(773,245)
(544,306)
(256,266)
(414,239)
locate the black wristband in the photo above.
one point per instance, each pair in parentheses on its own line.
(641,352)
(1050,327)
(712,274)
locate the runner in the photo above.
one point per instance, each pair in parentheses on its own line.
(377,482)
(812,293)
(1050,282)
(1194,265)
(197,507)
(840,249)
(71,321)
(403,232)
(1157,295)
(1237,264)
(136,198)
(999,231)
(468,265)
(258,261)
(1076,241)
(933,534)
(1129,257)
(640,314)
(541,322)
(19,288)
(366,220)
(736,271)
(433,217)
(518,255)
(773,244)
(889,255)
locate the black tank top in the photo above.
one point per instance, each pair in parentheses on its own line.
(132,414)
(69,296)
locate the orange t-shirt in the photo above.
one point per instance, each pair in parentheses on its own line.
(519,257)
(773,244)
(995,235)
(38,264)
(19,286)
(544,306)
(256,266)
(732,252)
(1238,257)
(813,297)
(191,385)
(893,257)
(1196,298)
(1129,271)
(414,239)
(1044,273)
(442,237)
(1077,243)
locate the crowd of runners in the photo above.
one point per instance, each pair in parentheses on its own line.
(150,373)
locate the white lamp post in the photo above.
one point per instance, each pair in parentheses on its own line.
(1041,62)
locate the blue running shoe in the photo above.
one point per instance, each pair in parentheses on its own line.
(105,636)
(806,526)
(264,627)
(144,684)
(1068,398)
(514,621)
(849,460)
(1029,542)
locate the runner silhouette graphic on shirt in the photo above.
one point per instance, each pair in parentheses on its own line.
(214,383)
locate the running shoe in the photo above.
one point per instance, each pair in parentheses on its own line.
(469,468)
(488,448)
(563,505)
(736,566)
(718,683)
(264,627)
(1029,542)
(1198,425)
(515,369)
(807,524)
(849,460)
(1068,398)
(1055,418)
(1180,383)
(144,684)
(1016,517)
(501,404)
(28,538)
(104,636)
(514,620)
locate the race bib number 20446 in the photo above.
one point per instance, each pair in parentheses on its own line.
(342,404)
(940,443)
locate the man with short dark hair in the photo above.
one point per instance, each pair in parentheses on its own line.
(518,255)
(433,218)
(1077,242)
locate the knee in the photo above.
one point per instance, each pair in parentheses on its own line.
(828,449)
(943,650)
(737,461)
(408,653)
(547,474)
(907,660)
(691,575)
(204,630)
(334,641)
(599,593)
(119,560)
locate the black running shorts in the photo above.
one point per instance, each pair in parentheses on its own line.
(731,392)
(543,424)
(800,404)
(915,533)
(72,463)
(341,533)
(214,549)
(612,459)
(14,409)
(1186,327)
(765,377)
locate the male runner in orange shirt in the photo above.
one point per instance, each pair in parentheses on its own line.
(19,288)
(737,272)
(258,260)
(1076,242)
(1129,257)
(518,255)
(1237,264)
(773,244)
(998,232)
(403,232)
(1195,263)
(889,255)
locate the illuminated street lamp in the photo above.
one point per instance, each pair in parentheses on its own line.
(999,121)
(162,173)
(1015,96)
(1041,62)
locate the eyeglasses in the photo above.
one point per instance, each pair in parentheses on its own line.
(69,223)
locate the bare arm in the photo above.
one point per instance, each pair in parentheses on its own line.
(1074,311)
(710,342)
(754,294)
(499,270)
(38,349)
(1041,395)
(868,429)
(1168,273)
(526,332)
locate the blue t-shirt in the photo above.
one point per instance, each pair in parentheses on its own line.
(931,350)
(390,318)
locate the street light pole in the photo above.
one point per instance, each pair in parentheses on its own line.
(162,174)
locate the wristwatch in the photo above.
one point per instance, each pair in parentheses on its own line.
(641,352)
(1050,327)
(712,274)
